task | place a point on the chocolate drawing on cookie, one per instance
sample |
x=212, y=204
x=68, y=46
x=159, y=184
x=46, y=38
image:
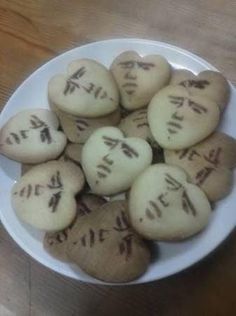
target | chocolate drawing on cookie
x=92, y=237
x=82, y=125
x=125, y=246
x=199, y=84
x=122, y=223
x=29, y=190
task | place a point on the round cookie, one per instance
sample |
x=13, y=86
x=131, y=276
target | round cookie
x=104, y=245
x=87, y=89
x=31, y=136
x=139, y=78
x=163, y=205
x=111, y=162
x=208, y=83
x=136, y=125
x=45, y=196
x=178, y=120
x=78, y=129
x=56, y=243
x=208, y=164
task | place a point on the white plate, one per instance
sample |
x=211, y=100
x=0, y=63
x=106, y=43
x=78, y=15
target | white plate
x=172, y=257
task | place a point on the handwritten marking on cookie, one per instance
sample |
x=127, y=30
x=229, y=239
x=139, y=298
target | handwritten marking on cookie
x=122, y=223
x=81, y=125
x=199, y=84
x=91, y=238
x=129, y=151
x=203, y=174
x=181, y=101
x=188, y=153
x=187, y=204
x=149, y=214
x=45, y=136
x=55, y=181
x=161, y=199
x=125, y=246
x=54, y=201
x=172, y=183
x=110, y=142
x=83, y=208
x=213, y=156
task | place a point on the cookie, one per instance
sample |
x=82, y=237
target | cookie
x=208, y=83
x=45, y=196
x=31, y=136
x=111, y=162
x=163, y=205
x=208, y=164
x=105, y=246
x=136, y=125
x=78, y=129
x=139, y=78
x=178, y=120
x=56, y=243
x=87, y=90
x=74, y=152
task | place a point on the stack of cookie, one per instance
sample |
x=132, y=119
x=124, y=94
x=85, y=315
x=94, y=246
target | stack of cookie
x=140, y=128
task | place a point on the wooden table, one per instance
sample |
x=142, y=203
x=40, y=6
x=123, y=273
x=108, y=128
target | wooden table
x=32, y=32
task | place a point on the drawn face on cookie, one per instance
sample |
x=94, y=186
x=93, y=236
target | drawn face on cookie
x=164, y=206
x=139, y=78
x=87, y=90
x=56, y=243
x=44, y=196
x=31, y=136
x=208, y=163
x=105, y=246
x=178, y=120
x=111, y=162
x=207, y=83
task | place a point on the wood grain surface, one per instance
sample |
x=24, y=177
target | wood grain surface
x=34, y=31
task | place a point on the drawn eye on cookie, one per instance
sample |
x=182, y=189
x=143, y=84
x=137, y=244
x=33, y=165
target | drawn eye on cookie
x=199, y=84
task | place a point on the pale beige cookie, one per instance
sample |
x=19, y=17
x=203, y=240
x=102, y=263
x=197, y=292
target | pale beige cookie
x=111, y=162
x=31, y=136
x=78, y=129
x=163, y=205
x=139, y=78
x=136, y=125
x=45, y=196
x=56, y=243
x=88, y=89
x=105, y=246
x=208, y=83
x=208, y=164
x=178, y=120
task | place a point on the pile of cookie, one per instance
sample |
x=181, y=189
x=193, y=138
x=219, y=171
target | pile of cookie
x=142, y=129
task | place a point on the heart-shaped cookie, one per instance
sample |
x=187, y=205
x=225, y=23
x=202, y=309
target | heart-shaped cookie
x=31, y=136
x=111, y=162
x=207, y=83
x=139, y=78
x=208, y=164
x=87, y=89
x=78, y=129
x=45, y=196
x=136, y=125
x=163, y=205
x=105, y=246
x=56, y=243
x=178, y=120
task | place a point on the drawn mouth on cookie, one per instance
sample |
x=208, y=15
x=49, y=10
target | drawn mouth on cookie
x=130, y=87
x=103, y=169
x=174, y=125
x=81, y=125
